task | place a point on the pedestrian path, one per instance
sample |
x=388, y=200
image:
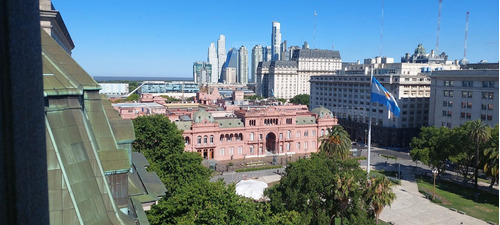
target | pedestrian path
x=411, y=207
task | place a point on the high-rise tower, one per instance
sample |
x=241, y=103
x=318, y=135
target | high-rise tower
x=257, y=56
x=242, y=65
x=276, y=41
x=212, y=59
x=221, y=53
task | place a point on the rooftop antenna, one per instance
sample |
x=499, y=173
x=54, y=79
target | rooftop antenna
x=466, y=30
x=438, y=28
x=314, y=40
x=381, y=28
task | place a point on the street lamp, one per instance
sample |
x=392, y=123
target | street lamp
x=435, y=172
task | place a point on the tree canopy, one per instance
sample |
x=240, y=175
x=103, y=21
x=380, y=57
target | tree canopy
x=163, y=146
x=302, y=99
x=461, y=145
x=336, y=142
x=323, y=188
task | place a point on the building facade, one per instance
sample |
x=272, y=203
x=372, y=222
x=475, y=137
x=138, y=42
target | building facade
x=276, y=41
x=257, y=56
x=256, y=132
x=114, y=89
x=278, y=79
x=285, y=79
x=458, y=96
x=202, y=72
x=164, y=87
x=347, y=95
x=213, y=60
x=221, y=54
x=242, y=77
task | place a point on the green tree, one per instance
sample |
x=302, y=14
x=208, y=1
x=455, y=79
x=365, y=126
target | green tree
x=478, y=132
x=205, y=202
x=336, y=142
x=462, y=152
x=321, y=189
x=133, y=98
x=302, y=99
x=491, y=157
x=163, y=146
x=282, y=100
x=432, y=147
x=379, y=194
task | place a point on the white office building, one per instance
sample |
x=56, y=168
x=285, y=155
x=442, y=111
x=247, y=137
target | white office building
x=242, y=65
x=276, y=41
x=221, y=54
x=212, y=59
x=285, y=79
x=347, y=94
x=458, y=96
x=114, y=89
x=257, y=56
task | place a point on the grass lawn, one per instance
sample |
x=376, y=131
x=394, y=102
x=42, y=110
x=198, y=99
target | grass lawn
x=452, y=195
x=259, y=168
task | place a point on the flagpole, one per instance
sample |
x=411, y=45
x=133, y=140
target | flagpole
x=369, y=126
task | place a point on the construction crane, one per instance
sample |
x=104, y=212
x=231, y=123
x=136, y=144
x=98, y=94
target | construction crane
x=438, y=27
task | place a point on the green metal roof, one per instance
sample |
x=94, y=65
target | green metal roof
x=80, y=144
x=184, y=125
x=305, y=120
x=322, y=112
x=230, y=123
x=60, y=64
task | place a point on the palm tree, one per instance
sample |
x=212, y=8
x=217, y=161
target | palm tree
x=478, y=132
x=380, y=194
x=491, y=157
x=336, y=142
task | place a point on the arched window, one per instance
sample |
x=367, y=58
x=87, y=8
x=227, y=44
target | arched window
x=298, y=145
x=241, y=136
x=305, y=145
x=205, y=139
x=211, y=139
x=314, y=133
x=231, y=137
x=186, y=141
x=306, y=133
x=221, y=138
x=251, y=136
x=222, y=151
x=251, y=149
x=298, y=133
x=237, y=136
x=322, y=132
x=288, y=134
x=227, y=137
x=288, y=146
x=199, y=139
x=313, y=145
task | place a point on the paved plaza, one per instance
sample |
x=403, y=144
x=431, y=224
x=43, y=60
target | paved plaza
x=410, y=206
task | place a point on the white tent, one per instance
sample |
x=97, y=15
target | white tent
x=251, y=189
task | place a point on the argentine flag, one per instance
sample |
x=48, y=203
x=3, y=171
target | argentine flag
x=384, y=97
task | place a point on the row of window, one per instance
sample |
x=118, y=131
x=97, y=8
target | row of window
x=205, y=139
x=468, y=94
x=468, y=83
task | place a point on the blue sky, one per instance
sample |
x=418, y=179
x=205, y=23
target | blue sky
x=164, y=38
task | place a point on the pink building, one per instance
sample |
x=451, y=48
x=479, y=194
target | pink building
x=256, y=132
x=133, y=110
